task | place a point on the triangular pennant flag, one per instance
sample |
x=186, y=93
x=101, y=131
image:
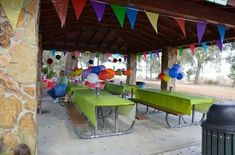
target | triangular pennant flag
x=76, y=53
x=201, y=27
x=157, y=53
x=153, y=18
x=120, y=12
x=219, y=44
x=61, y=7
x=150, y=55
x=204, y=47
x=180, y=51
x=139, y=56
x=78, y=6
x=181, y=23
x=221, y=29
x=99, y=9
x=65, y=52
x=125, y=57
x=12, y=9
x=145, y=55
x=131, y=14
x=192, y=46
x=53, y=51
x=106, y=55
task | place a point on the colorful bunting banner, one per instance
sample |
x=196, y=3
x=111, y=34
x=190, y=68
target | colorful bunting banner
x=53, y=51
x=99, y=9
x=153, y=18
x=221, y=29
x=192, y=46
x=157, y=53
x=125, y=57
x=201, y=27
x=181, y=24
x=78, y=6
x=120, y=12
x=204, y=47
x=131, y=14
x=65, y=52
x=180, y=51
x=12, y=9
x=219, y=45
x=106, y=55
x=150, y=55
x=144, y=55
x=61, y=7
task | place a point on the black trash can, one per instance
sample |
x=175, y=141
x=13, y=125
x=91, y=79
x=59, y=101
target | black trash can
x=218, y=130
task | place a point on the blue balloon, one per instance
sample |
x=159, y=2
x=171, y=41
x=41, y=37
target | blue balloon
x=86, y=72
x=102, y=67
x=180, y=76
x=173, y=73
x=176, y=67
x=96, y=69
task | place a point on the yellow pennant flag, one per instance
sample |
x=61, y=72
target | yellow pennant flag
x=12, y=9
x=153, y=18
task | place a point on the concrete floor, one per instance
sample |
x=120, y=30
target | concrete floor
x=148, y=137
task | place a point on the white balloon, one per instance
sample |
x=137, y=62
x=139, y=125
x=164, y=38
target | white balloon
x=92, y=78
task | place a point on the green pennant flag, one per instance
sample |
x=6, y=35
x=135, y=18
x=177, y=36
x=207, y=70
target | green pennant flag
x=12, y=9
x=180, y=51
x=120, y=12
x=139, y=56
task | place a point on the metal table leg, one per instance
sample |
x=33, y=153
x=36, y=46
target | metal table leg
x=116, y=119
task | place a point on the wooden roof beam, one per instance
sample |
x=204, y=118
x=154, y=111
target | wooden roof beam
x=190, y=10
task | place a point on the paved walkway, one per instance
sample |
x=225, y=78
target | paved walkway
x=149, y=137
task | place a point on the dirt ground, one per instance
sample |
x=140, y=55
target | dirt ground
x=218, y=92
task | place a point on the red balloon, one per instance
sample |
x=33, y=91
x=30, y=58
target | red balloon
x=50, y=61
x=115, y=60
x=110, y=73
x=161, y=76
x=103, y=74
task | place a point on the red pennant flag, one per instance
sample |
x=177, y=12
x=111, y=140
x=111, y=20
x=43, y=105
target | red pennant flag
x=145, y=55
x=181, y=24
x=78, y=6
x=61, y=7
x=192, y=46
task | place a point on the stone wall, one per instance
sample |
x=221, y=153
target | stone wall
x=18, y=79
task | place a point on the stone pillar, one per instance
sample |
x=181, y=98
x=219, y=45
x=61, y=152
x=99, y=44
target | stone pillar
x=18, y=79
x=132, y=64
x=169, y=57
x=69, y=62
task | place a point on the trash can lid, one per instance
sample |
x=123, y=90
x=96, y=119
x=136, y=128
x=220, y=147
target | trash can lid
x=221, y=117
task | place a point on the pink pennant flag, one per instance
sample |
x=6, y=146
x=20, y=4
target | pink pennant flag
x=98, y=8
x=201, y=27
x=76, y=53
x=78, y=6
x=192, y=46
x=107, y=55
x=145, y=55
x=181, y=24
x=219, y=45
x=61, y=7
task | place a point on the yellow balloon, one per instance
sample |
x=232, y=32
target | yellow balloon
x=80, y=70
x=166, y=78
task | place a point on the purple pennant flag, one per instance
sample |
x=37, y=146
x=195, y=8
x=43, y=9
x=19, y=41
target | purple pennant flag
x=221, y=29
x=131, y=14
x=204, y=47
x=201, y=27
x=157, y=53
x=99, y=9
x=125, y=57
x=219, y=44
x=65, y=52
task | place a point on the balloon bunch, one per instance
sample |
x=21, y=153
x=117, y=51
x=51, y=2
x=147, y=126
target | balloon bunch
x=75, y=71
x=123, y=72
x=173, y=72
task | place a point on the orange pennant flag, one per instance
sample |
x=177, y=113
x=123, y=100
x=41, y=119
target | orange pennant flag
x=181, y=24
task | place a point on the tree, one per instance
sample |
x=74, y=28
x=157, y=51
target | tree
x=231, y=59
x=200, y=59
x=189, y=73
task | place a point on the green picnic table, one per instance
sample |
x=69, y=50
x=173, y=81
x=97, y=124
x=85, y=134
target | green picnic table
x=88, y=102
x=74, y=87
x=120, y=89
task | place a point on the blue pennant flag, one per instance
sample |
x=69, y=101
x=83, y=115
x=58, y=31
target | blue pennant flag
x=221, y=29
x=131, y=14
x=204, y=47
x=150, y=55
x=53, y=52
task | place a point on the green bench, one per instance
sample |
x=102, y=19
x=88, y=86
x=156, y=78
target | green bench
x=177, y=104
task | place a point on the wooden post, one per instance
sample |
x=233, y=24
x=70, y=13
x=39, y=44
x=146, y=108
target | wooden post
x=131, y=63
x=69, y=61
x=169, y=57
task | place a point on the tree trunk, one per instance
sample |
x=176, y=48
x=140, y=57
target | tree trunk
x=131, y=64
x=196, y=80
